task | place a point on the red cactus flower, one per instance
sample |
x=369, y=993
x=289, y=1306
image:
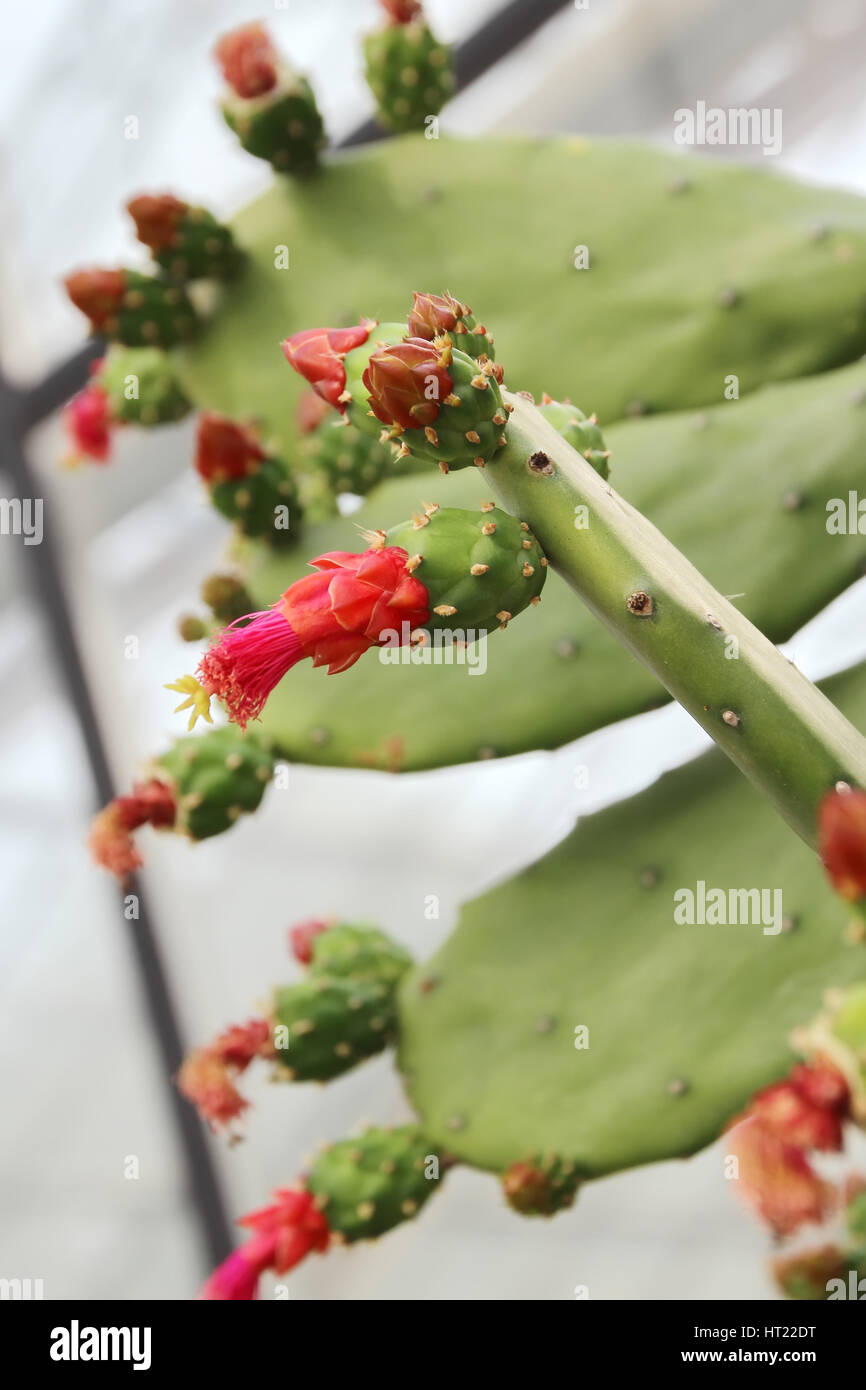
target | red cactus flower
x=433, y=314
x=776, y=1178
x=842, y=836
x=111, y=843
x=401, y=11
x=87, y=421
x=225, y=449
x=303, y=934
x=407, y=383
x=248, y=60
x=772, y=1138
x=311, y=411
x=284, y=1234
x=207, y=1075
x=333, y=617
x=97, y=293
x=157, y=218
x=318, y=354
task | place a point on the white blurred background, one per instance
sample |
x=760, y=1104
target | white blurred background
x=82, y=1085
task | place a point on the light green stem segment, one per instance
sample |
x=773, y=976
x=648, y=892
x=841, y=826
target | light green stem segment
x=775, y=725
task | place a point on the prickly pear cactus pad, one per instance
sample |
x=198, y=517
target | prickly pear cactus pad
x=529, y=1031
x=760, y=470
x=751, y=274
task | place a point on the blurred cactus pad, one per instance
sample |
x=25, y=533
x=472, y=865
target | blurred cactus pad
x=682, y=1022
x=694, y=274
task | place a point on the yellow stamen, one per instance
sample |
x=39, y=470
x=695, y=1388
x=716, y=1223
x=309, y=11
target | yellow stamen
x=198, y=700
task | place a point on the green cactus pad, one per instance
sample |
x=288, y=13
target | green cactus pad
x=683, y=1023
x=154, y=313
x=582, y=434
x=410, y=74
x=142, y=387
x=612, y=336
x=367, y=1185
x=257, y=501
x=217, y=777
x=741, y=489
x=203, y=249
x=359, y=952
x=283, y=126
x=480, y=568
x=351, y=461
x=332, y=1023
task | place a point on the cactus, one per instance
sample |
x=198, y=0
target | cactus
x=410, y=73
x=349, y=460
x=141, y=387
x=433, y=315
x=198, y=788
x=583, y=435
x=541, y=1185
x=187, y=242
x=270, y=108
x=246, y=484
x=742, y=473
x=331, y=1024
x=134, y=309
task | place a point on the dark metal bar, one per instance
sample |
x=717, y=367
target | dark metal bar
x=201, y=1175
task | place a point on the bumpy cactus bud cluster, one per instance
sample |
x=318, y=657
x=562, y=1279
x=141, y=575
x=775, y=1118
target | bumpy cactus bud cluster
x=271, y=108
x=348, y=460
x=357, y=1189
x=582, y=434
x=199, y=788
x=346, y=1010
x=409, y=71
x=541, y=1185
x=129, y=386
x=131, y=308
x=187, y=242
x=480, y=569
x=248, y=486
x=226, y=596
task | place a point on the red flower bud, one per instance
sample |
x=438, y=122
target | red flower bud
x=318, y=353
x=433, y=314
x=842, y=837
x=302, y=935
x=248, y=60
x=401, y=11
x=333, y=617
x=207, y=1075
x=157, y=219
x=111, y=843
x=225, y=449
x=284, y=1233
x=407, y=383
x=97, y=293
x=87, y=421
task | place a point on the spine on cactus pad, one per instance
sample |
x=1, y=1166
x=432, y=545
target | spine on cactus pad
x=199, y=788
x=448, y=571
x=355, y=1190
x=271, y=108
x=410, y=73
x=188, y=243
x=134, y=309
